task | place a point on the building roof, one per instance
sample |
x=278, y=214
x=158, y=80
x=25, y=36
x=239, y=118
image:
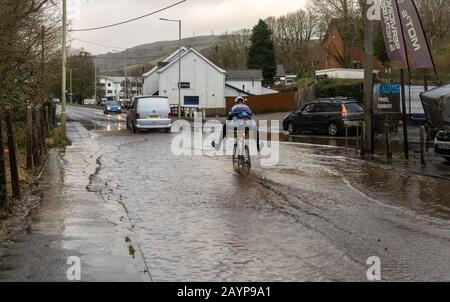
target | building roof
x=244, y=74
x=166, y=60
x=198, y=54
x=170, y=60
x=280, y=71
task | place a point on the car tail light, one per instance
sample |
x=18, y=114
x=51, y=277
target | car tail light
x=344, y=111
x=170, y=115
x=138, y=116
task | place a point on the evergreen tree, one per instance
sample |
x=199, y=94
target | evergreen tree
x=261, y=54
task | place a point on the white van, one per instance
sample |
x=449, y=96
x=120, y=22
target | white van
x=149, y=112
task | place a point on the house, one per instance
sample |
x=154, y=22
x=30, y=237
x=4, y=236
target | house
x=114, y=87
x=280, y=76
x=245, y=82
x=334, y=46
x=203, y=84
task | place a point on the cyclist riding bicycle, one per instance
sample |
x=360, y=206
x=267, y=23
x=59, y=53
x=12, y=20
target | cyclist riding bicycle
x=241, y=112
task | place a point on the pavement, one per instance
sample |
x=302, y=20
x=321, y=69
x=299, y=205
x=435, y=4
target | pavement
x=317, y=215
x=73, y=220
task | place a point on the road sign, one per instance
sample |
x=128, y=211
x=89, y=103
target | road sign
x=386, y=98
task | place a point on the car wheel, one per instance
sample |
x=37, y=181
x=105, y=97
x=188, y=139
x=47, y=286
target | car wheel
x=292, y=129
x=168, y=130
x=333, y=129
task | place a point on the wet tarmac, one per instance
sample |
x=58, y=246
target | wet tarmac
x=316, y=216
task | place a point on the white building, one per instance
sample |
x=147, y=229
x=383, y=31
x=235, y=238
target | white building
x=203, y=84
x=114, y=87
x=245, y=82
x=341, y=73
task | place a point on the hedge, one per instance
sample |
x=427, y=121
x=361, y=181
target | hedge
x=339, y=88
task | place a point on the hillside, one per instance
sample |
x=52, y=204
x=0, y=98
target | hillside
x=147, y=55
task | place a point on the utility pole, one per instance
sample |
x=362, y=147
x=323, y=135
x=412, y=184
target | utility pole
x=179, y=62
x=70, y=88
x=179, y=69
x=63, y=75
x=125, y=75
x=95, y=82
x=368, y=80
x=42, y=56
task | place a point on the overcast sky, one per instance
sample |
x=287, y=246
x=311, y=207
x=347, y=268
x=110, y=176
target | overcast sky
x=201, y=17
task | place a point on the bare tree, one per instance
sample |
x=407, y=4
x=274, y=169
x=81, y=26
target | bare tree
x=29, y=39
x=348, y=16
x=435, y=18
x=232, y=51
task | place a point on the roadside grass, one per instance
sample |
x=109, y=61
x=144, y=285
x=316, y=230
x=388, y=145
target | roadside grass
x=55, y=140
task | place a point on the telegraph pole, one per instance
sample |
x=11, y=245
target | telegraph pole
x=63, y=75
x=179, y=69
x=95, y=82
x=368, y=80
x=179, y=62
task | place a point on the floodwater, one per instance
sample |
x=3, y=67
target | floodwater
x=316, y=216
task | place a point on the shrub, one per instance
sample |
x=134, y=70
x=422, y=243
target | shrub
x=339, y=87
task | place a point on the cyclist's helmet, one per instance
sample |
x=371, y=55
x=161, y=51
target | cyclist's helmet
x=239, y=100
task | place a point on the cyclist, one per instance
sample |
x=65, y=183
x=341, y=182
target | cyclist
x=241, y=112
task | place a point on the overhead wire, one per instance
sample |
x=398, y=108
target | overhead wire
x=128, y=21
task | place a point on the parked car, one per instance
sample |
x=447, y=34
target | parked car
x=436, y=104
x=149, y=112
x=324, y=116
x=125, y=104
x=442, y=144
x=112, y=106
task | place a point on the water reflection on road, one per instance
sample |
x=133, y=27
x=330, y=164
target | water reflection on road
x=316, y=216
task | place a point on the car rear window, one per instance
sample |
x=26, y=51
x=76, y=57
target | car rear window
x=153, y=104
x=354, y=107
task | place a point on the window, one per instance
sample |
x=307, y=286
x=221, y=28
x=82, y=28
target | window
x=321, y=107
x=109, y=91
x=109, y=84
x=192, y=100
x=309, y=108
x=354, y=107
x=327, y=107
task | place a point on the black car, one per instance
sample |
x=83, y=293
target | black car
x=324, y=116
x=436, y=104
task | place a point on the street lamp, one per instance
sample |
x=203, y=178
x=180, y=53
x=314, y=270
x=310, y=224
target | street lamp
x=179, y=62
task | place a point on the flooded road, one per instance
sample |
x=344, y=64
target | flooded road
x=316, y=216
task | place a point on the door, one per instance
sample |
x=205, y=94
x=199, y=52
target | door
x=323, y=115
x=303, y=117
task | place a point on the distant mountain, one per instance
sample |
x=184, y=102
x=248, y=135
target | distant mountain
x=144, y=57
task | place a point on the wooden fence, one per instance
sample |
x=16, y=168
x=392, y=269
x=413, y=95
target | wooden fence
x=268, y=103
x=39, y=120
